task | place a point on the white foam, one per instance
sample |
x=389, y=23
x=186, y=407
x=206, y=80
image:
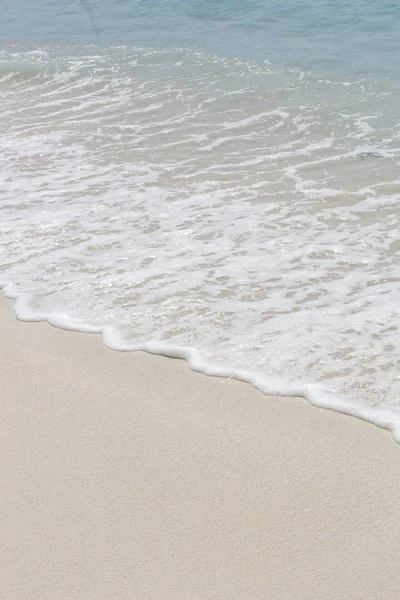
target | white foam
x=222, y=232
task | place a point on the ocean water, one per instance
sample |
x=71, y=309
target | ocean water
x=217, y=181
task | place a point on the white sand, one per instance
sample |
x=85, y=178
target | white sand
x=127, y=476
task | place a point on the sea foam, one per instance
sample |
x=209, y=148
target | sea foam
x=238, y=216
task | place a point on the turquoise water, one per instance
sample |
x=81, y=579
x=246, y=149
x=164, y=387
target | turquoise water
x=346, y=37
x=217, y=181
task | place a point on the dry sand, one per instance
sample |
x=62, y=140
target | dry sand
x=127, y=476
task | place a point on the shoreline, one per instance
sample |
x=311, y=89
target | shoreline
x=380, y=417
x=127, y=475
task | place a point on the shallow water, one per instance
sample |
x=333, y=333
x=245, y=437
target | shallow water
x=227, y=196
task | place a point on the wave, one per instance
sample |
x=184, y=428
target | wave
x=176, y=201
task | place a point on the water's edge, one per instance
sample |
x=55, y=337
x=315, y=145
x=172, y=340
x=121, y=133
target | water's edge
x=112, y=339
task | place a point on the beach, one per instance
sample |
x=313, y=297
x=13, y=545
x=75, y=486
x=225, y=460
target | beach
x=126, y=475
x=199, y=228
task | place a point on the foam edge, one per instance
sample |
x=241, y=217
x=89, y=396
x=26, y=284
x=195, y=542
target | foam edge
x=113, y=339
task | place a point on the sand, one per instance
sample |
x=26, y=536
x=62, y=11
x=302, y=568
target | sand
x=127, y=476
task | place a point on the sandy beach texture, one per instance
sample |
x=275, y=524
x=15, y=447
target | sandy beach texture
x=129, y=477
